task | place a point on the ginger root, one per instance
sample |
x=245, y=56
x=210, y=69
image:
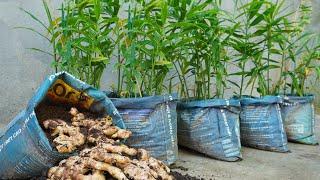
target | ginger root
x=103, y=153
x=121, y=149
x=159, y=167
x=68, y=169
x=96, y=136
x=112, y=170
x=96, y=175
x=69, y=137
x=138, y=173
x=118, y=166
x=100, y=124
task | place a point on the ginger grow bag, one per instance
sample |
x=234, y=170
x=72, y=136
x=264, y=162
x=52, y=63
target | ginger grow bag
x=25, y=151
x=153, y=122
x=210, y=127
x=261, y=124
x=299, y=119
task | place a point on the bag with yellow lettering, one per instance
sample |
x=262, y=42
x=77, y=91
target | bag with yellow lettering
x=25, y=150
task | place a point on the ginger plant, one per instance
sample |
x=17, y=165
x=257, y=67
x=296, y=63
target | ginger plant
x=82, y=37
x=301, y=55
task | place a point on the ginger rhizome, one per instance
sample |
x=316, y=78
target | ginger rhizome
x=68, y=137
x=106, y=155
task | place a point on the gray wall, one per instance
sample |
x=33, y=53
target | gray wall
x=22, y=70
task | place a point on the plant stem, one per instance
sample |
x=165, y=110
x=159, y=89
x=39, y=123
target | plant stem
x=119, y=70
x=242, y=77
x=254, y=81
x=269, y=49
x=281, y=72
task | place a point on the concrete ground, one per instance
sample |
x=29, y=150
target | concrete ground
x=303, y=163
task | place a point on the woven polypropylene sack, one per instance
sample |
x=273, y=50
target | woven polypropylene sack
x=210, y=127
x=261, y=124
x=153, y=122
x=25, y=151
x=299, y=119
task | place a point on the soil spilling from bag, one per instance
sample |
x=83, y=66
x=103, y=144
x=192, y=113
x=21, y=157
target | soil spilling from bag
x=179, y=176
x=98, y=145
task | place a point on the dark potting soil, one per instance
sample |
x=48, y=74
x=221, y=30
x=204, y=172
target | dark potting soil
x=46, y=111
x=174, y=166
x=179, y=176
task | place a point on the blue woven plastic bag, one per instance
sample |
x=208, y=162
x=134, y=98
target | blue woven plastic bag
x=299, y=119
x=153, y=122
x=261, y=124
x=25, y=150
x=210, y=127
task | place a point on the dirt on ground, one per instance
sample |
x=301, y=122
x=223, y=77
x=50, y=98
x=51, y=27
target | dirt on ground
x=179, y=176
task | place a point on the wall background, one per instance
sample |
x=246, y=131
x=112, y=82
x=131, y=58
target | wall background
x=22, y=70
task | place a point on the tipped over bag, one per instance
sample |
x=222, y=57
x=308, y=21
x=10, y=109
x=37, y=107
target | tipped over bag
x=25, y=151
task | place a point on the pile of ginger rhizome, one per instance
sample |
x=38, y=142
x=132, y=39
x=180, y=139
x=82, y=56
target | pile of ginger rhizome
x=101, y=155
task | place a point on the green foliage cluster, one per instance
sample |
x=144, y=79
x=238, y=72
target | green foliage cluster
x=189, y=45
x=273, y=40
x=81, y=37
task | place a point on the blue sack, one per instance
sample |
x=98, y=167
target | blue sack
x=299, y=119
x=210, y=127
x=25, y=151
x=261, y=124
x=153, y=122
